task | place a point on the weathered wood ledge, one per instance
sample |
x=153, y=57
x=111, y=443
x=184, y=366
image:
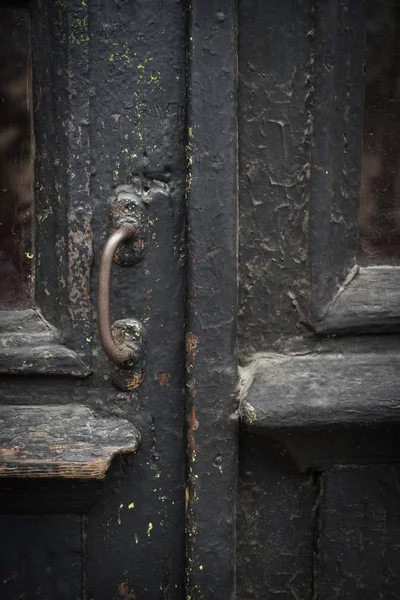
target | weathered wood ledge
x=29, y=345
x=280, y=391
x=368, y=303
x=68, y=442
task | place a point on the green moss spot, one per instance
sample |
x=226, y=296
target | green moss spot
x=252, y=417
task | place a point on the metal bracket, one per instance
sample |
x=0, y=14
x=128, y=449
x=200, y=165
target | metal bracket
x=130, y=333
x=128, y=207
x=124, y=341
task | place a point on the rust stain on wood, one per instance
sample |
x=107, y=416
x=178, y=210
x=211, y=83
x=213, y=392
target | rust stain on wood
x=187, y=499
x=125, y=592
x=135, y=381
x=162, y=378
x=193, y=425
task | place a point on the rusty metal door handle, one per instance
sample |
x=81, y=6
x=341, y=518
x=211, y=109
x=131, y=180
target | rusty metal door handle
x=120, y=354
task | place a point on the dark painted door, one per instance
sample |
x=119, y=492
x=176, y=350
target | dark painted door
x=92, y=455
x=318, y=495
x=246, y=146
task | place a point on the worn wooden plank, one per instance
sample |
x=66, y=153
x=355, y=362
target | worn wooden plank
x=63, y=204
x=138, y=78
x=369, y=303
x=337, y=57
x=275, y=96
x=60, y=441
x=360, y=388
x=50, y=389
x=359, y=534
x=40, y=359
x=212, y=300
x=19, y=321
x=29, y=345
x=41, y=558
x=275, y=528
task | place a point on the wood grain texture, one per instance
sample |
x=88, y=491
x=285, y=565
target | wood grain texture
x=281, y=391
x=60, y=441
x=368, y=304
x=30, y=345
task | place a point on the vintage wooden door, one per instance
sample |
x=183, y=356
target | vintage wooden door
x=318, y=496
x=96, y=91
x=247, y=447
x=110, y=118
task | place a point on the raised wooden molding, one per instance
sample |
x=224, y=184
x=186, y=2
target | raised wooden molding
x=29, y=345
x=369, y=302
x=355, y=387
x=327, y=407
x=68, y=442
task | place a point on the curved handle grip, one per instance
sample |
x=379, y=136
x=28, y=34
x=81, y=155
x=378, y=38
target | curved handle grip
x=122, y=354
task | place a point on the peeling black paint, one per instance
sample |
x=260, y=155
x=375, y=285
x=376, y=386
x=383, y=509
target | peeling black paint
x=211, y=360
